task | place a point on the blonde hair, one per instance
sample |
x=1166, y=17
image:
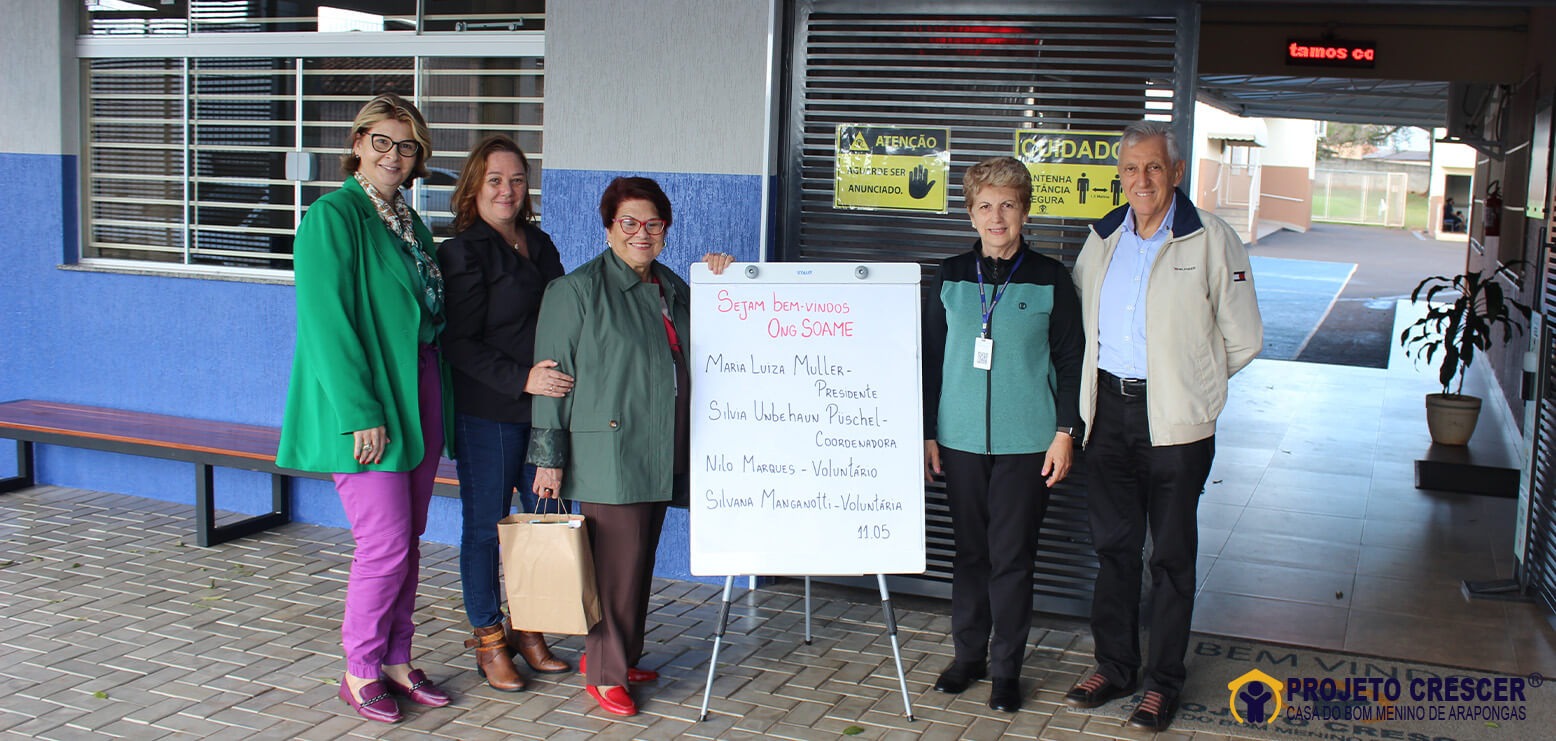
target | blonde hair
x=998, y=172
x=383, y=108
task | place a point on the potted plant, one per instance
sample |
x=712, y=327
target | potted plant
x=1453, y=334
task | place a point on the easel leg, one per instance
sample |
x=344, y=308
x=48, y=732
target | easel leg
x=718, y=640
x=807, y=611
x=896, y=651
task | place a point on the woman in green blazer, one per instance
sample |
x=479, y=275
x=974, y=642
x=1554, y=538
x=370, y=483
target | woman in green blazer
x=618, y=443
x=368, y=400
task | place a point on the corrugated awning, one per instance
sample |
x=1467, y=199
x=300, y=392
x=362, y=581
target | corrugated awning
x=1228, y=136
x=1401, y=102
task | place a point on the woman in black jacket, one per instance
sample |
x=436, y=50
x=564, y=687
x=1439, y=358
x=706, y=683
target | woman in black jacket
x=496, y=270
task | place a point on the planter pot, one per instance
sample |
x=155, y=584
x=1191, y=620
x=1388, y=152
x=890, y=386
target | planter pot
x=1451, y=418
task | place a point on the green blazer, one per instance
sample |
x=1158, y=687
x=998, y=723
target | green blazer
x=358, y=310
x=614, y=435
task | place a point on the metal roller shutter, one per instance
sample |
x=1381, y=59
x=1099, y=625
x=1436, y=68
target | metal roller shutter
x=1538, y=571
x=982, y=70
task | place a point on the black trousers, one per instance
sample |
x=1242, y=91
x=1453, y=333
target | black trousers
x=622, y=539
x=997, y=506
x=1132, y=485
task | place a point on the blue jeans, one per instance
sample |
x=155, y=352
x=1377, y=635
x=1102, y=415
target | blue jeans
x=491, y=465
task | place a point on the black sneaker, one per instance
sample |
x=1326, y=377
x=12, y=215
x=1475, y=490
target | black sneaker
x=1096, y=690
x=1155, y=712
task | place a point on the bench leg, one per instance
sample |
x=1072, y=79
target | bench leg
x=208, y=533
x=24, y=477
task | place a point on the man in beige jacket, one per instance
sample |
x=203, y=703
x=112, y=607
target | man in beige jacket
x=1168, y=304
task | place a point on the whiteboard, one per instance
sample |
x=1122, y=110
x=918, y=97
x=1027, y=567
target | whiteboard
x=807, y=439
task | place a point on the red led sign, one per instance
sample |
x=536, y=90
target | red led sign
x=1331, y=53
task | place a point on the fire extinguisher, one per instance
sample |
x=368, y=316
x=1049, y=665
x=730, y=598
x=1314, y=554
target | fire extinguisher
x=1494, y=208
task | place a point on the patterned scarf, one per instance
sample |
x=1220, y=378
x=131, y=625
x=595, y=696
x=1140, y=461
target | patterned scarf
x=397, y=216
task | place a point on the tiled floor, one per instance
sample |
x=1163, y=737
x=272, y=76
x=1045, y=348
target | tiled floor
x=1312, y=531
x=112, y=626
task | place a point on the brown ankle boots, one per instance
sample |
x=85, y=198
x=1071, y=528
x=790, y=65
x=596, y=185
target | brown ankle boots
x=532, y=646
x=495, y=646
x=493, y=661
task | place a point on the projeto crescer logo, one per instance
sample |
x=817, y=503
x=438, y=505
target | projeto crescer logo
x=1255, y=689
x=1256, y=698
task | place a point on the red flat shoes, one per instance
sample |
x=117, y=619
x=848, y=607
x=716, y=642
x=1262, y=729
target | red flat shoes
x=615, y=700
x=634, y=674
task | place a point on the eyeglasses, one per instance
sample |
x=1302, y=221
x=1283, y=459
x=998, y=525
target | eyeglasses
x=381, y=143
x=630, y=225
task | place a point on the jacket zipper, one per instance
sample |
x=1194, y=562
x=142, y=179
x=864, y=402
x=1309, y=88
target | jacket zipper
x=988, y=401
x=988, y=410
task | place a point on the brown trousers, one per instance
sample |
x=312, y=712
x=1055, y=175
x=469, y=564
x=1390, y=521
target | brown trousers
x=622, y=539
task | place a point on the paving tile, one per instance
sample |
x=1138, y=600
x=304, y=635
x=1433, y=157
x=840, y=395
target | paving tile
x=68, y=733
x=37, y=726
x=130, y=730
x=260, y=657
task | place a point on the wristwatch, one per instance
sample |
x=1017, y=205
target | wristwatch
x=1066, y=430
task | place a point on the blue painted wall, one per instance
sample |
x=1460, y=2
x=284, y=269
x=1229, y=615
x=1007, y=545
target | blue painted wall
x=210, y=349
x=222, y=350
x=712, y=213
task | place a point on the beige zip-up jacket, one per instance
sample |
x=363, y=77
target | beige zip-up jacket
x=1202, y=320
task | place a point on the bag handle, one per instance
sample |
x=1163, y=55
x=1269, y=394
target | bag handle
x=540, y=506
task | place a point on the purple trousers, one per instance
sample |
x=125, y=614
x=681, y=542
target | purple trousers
x=388, y=513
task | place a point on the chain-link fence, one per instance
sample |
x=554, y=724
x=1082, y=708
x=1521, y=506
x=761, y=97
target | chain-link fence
x=1355, y=197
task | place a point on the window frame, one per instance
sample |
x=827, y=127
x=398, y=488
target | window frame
x=295, y=46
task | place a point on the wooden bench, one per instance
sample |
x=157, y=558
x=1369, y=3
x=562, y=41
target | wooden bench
x=204, y=443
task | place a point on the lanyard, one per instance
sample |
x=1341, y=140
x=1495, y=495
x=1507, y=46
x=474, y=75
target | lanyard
x=986, y=306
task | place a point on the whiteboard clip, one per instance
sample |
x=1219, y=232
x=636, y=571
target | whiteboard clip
x=752, y=271
x=861, y=272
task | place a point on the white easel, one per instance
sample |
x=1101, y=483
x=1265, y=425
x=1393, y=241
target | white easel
x=886, y=612
x=806, y=429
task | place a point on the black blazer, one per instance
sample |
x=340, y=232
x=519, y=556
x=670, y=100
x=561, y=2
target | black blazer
x=492, y=299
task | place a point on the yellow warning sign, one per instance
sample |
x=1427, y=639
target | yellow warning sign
x=891, y=167
x=1074, y=173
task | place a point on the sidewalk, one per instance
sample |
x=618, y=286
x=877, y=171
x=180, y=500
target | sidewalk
x=113, y=625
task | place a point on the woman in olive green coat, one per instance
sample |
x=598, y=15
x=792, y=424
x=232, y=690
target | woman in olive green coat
x=618, y=443
x=368, y=400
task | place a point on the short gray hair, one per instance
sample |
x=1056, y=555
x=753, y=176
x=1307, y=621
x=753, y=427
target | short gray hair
x=1142, y=130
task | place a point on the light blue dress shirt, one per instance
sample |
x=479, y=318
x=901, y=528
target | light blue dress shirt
x=1121, y=315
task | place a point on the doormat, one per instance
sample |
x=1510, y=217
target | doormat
x=1250, y=689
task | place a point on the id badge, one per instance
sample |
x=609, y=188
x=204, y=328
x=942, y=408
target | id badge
x=983, y=353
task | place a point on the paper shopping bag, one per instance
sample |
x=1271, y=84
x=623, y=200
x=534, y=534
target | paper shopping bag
x=548, y=573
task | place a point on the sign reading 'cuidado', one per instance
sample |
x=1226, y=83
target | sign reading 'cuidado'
x=1074, y=173
x=807, y=454
x=891, y=167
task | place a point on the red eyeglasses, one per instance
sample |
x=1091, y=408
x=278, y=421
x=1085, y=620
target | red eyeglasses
x=630, y=225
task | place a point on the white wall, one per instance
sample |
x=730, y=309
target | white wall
x=1209, y=120
x=666, y=86
x=1292, y=143
x=39, y=82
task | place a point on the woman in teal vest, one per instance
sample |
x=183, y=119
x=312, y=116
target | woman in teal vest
x=368, y=400
x=1002, y=363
